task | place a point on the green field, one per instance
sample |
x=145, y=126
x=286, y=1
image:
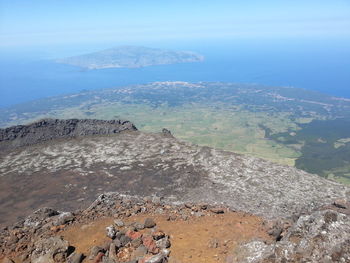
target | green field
x=233, y=130
x=290, y=126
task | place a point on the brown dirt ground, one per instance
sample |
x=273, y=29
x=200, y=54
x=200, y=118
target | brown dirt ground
x=189, y=239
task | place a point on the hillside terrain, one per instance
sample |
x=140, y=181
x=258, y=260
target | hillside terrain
x=130, y=57
x=301, y=128
x=68, y=173
x=160, y=199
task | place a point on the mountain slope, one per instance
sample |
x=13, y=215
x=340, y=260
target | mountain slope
x=286, y=125
x=68, y=173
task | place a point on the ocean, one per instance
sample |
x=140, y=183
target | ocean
x=322, y=66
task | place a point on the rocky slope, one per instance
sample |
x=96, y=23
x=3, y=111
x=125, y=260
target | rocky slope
x=120, y=228
x=220, y=206
x=322, y=236
x=49, y=129
x=69, y=173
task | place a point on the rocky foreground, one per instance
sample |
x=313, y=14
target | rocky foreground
x=44, y=236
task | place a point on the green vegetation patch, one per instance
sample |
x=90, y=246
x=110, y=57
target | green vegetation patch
x=286, y=125
x=232, y=130
x=325, y=150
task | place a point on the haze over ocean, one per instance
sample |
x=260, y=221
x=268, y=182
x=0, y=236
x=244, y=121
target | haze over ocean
x=298, y=43
x=322, y=66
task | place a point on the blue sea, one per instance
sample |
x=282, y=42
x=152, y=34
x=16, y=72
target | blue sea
x=27, y=74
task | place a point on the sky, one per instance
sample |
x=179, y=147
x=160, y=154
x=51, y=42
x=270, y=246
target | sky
x=46, y=22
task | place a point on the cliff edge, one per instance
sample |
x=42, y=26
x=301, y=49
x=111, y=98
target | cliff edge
x=49, y=129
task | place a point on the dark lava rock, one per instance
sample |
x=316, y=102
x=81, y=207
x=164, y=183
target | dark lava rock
x=125, y=240
x=166, y=132
x=149, y=223
x=49, y=129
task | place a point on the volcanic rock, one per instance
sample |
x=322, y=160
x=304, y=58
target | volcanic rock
x=63, y=218
x=323, y=236
x=75, y=258
x=58, y=168
x=48, y=129
x=119, y=223
x=150, y=244
x=50, y=250
x=111, y=232
x=149, y=223
x=94, y=252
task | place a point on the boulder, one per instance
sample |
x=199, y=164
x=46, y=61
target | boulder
x=63, y=218
x=112, y=254
x=111, y=232
x=125, y=240
x=50, y=250
x=39, y=216
x=139, y=226
x=133, y=235
x=136, y=242
x=139, y=252
x=94, y=252
x=149, y=223
x=150, y=244
x=119, y=223
x=75, y=258
x=163, y=243
x=158, y=235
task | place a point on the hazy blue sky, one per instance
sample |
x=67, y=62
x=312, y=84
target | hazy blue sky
x=40, y=22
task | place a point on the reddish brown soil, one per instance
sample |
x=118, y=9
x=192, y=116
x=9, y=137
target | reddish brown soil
x=189, y=239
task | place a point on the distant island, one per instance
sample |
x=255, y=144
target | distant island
x=130, y=57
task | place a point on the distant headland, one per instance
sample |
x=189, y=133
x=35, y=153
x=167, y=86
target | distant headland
x=130, y=57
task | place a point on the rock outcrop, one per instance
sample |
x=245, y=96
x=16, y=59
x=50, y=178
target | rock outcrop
x=322, y=236
x=49, y=129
